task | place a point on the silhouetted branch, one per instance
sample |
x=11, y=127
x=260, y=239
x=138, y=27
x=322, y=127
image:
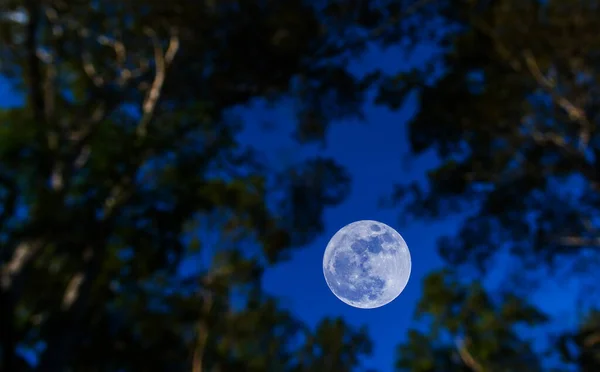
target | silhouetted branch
x=11, y=281
x=202, y=337
x=466, y=356
x=592, y=340
x=576, y=156
x=77, y=293
x=574, y=112
x=66, y=325
x=162, y=61
x=10, y=202
x=579, y=241
x=118, y=46
x=33, y=63
x=11, y=273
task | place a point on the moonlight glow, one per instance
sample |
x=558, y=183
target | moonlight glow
x=366, y=264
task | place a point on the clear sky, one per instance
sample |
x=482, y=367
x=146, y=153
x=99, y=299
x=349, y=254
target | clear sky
x=373, y=151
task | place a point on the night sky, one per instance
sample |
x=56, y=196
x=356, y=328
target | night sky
x=374, y=153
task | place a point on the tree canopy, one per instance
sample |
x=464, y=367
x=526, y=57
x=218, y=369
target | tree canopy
x=125, y=148
x=513, y=118
x=123, y=162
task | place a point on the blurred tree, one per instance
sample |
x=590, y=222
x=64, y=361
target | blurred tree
x=469, y=330
x=513, y=115
x=582, y=346
x=125, y=148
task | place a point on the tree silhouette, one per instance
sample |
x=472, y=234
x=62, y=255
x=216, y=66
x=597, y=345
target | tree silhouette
x=470, y=330
x=513, y=117
x=124, y=149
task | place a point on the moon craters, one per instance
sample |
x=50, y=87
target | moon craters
x=366, y=264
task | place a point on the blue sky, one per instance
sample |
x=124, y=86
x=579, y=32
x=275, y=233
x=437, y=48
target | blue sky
x=373, y=151
x=373, y=154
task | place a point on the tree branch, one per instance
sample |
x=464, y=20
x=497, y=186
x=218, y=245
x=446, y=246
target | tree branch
x=576, y=155
x=64, y=328
x=12, y=271
x=579, y=241
x=11, y=281
x=466, y=356
x=574, y=112
x=10, y=203
x=162, y=62
x=592, y=340
x=77, y=293
x=203, y=331
x=118, y=46
x=33, y=63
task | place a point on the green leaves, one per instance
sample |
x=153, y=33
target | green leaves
x=503, y=120
x=333, y=347
x=134, y=174
x=469, y=329
x=513, y=120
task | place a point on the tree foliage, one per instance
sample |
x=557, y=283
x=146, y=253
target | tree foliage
x=469, y=330
x=125, y=148
x=515, y=129
x=123, y=163
x=513, y=118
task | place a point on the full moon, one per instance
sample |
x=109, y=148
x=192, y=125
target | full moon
x=366, y=264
